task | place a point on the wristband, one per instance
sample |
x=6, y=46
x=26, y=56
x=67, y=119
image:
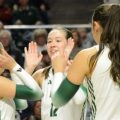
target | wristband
x=64, y=93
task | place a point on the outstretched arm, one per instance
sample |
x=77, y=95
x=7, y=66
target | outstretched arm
x=63, y=90
x=77, y=72
x=67, y=91
x=20, y=103
x=30, y=90
x=67, y=88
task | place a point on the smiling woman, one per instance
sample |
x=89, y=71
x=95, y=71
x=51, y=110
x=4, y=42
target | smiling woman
x=59, y=40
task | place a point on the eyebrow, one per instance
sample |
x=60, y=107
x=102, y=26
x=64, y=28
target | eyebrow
x=55, y=37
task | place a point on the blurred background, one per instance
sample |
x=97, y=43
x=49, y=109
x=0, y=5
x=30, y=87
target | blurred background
x=22, y=21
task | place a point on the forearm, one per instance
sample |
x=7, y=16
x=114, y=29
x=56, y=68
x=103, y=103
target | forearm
x=30, y=86
x=24, y=92
x=63, y=90
x=20, y=103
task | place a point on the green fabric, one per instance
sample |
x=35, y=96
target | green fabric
x=83, y=88
x=24, y=92
x=20, y=105
x=65, y=92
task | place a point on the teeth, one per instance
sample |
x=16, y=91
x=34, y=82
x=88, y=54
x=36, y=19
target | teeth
x=54, y=51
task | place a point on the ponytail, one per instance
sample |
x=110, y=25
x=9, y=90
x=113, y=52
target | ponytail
x=111, y=38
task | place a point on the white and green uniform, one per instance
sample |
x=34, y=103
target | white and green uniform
x=26, y=88
x=71, y=111
x=7, y=109
x=103, y=93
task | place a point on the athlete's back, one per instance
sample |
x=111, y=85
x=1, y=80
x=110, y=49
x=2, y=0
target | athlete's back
x=103, y=92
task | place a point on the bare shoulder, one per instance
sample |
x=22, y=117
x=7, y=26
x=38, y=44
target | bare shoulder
x=80, y=67
x=87, y=53
x=39, y=75
x=91, y=50
x=83, y=58
x=38, y=72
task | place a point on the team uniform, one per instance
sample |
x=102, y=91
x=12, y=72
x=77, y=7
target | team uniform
x=7, y=109
x=26, y=88
x=103, y=92
x=70, y=111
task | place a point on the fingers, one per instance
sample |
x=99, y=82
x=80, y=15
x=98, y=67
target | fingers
x=1, y=47
x=56, y=54
x=40, y=57
x=25, y=51
x=4, y=53
x=35, y=47
x=69, y=62
x=71, y=42
x=32, y=56
x=32, y=47
x=2, y=60
x=1, y=57
x=69, y=47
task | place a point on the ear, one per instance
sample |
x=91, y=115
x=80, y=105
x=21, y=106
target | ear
x=96, y=26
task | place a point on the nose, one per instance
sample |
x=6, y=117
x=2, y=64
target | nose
x=53, y=44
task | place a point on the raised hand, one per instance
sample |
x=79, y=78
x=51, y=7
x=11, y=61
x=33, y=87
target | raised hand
x=6, y=61
x=69, y=47
x=69, y=62
x=60, y=58
x=32, y=57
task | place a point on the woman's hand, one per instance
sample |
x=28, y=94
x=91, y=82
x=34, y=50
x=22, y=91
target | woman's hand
x=60, y=58
x=32, y=57
x=6, y=61
x=69, y=48
x=69, y=62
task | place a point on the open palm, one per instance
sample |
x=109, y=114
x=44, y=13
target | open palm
x=32, y=57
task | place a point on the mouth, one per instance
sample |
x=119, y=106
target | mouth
x=54, y=51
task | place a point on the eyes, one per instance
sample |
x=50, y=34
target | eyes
x=57, y=40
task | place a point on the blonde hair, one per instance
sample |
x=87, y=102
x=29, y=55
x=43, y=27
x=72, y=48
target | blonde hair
x=6, y=32
x=39, y=32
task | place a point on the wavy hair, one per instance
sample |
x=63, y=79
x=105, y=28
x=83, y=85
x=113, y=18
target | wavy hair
x=108, y=15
